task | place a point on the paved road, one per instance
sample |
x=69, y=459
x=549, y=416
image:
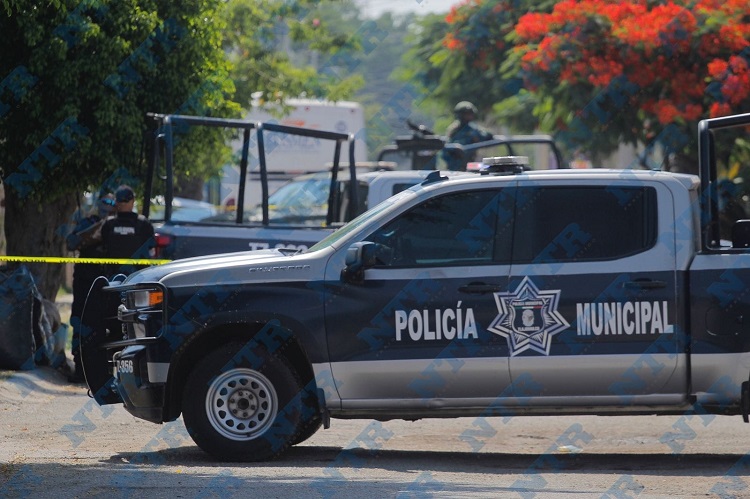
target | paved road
x=58, y=443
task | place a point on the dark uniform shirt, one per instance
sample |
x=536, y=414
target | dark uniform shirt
x=464, y=133
x=467, y=133
x=127, y=235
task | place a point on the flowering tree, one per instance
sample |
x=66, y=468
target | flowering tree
x=461, y=56
x=637, y=71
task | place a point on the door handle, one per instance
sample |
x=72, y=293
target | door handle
x=479, y=288
x=645, y=284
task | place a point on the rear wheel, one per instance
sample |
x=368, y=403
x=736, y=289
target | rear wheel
x=307, y=429
x=242, y=407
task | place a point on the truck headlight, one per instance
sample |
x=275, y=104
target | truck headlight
x=146, y=298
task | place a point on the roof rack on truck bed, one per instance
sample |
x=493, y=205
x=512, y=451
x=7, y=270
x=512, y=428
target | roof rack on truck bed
x=163, y=143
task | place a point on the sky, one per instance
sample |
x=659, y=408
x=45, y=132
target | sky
x=374, y=8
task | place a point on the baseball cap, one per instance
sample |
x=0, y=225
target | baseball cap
x=124, y=194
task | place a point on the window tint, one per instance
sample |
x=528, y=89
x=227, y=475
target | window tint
x=563, y=224
x=454, y=229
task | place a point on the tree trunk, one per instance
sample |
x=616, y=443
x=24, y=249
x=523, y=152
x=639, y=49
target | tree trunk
x=35, y=228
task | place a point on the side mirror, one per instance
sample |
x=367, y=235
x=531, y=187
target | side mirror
x=359, y=257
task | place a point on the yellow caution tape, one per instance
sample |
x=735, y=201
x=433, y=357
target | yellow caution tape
x=101, y=261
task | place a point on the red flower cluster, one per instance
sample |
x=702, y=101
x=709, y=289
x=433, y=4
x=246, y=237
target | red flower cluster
x=598, y=71
x=665, y=26
x=452, y=43
x=734, y=78
x=683, y=55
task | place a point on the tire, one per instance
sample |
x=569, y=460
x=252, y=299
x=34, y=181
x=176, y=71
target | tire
x=307, y=429
x=242, y=407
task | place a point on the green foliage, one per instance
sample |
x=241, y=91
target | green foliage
x=388, y=101
x=355, y=62
x=275, y=46
x=80, y=76
x=463, y=56
x=425, y=65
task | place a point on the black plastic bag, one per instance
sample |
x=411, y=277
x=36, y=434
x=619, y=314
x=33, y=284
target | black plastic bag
x=31, y=331
x=17, y=295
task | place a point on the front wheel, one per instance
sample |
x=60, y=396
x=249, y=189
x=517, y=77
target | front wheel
x=242, y=405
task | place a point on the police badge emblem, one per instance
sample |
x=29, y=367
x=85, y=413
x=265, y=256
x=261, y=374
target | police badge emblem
x=528, y=318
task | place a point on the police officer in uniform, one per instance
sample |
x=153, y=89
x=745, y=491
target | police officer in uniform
x=464, y=131
x=127, y=234
x=86, y=239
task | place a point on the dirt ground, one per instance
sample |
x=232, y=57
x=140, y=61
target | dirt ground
x=57, y=442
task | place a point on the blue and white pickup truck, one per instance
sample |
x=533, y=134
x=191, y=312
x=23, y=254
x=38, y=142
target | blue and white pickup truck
x=603, y=292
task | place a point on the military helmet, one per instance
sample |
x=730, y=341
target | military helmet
x=465, y=107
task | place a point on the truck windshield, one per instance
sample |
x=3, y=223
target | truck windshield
x=303, y=200
x=361, y=220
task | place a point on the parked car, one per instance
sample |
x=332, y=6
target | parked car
x=183, y=210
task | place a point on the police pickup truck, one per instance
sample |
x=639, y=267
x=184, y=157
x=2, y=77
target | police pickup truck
x=602, y=292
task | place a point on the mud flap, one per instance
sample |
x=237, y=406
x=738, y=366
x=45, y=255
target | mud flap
x=99, y=325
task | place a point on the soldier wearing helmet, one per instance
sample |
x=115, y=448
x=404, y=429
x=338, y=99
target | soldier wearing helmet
x=464, y=107
x=464, y=131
